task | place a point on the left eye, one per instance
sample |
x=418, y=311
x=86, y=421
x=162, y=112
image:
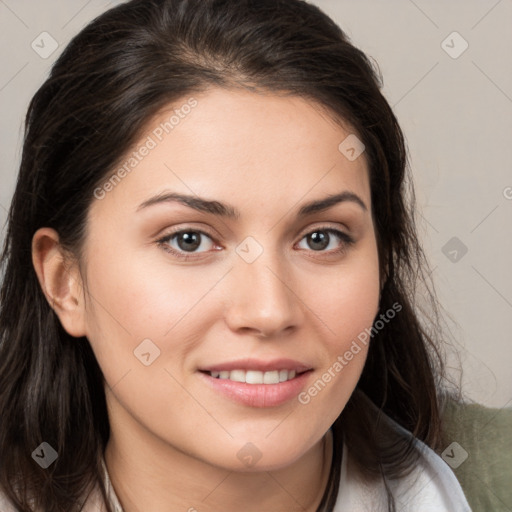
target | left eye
x=188, y=241
x=321, y=238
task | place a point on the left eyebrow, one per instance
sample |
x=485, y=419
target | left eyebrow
x=228, y=211
x=323, y=204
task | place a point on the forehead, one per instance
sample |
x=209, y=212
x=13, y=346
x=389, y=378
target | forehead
x=255, y=148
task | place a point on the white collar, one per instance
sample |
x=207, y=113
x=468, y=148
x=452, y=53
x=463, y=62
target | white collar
x=111, y=494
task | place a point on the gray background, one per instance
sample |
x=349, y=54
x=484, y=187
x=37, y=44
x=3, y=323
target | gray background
x=454, y=106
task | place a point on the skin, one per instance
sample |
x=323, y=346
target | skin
x=174, y=441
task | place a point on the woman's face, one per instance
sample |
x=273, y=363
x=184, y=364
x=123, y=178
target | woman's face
x=265, y=289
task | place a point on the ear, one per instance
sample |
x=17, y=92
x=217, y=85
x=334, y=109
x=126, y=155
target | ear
x=60, y=280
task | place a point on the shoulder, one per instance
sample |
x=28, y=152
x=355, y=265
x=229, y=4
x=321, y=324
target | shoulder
x=5, y=504
x=430, y=487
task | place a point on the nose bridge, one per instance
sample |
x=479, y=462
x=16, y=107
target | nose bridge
x=264, y=298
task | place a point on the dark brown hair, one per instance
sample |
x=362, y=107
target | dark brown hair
x=114, y=76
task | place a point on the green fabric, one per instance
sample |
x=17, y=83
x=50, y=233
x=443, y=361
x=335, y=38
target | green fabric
x=486, y=435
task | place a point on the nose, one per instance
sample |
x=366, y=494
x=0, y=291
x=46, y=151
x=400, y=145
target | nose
x=264, y=299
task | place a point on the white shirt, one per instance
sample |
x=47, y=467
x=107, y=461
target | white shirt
x=431, y=487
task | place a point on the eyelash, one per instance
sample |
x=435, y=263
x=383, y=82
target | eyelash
x=347, y=241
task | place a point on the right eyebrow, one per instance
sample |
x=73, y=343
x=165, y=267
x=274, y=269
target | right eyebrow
x=229, y=211
x=195, y=202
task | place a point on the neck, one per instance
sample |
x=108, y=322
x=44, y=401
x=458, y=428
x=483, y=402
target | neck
x=148, y=474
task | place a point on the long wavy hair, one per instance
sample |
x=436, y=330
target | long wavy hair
x=114, y=76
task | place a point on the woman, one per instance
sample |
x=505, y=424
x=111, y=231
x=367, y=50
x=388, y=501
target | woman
x=278, y=362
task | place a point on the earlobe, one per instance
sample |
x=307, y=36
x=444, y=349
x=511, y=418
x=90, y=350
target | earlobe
x=60, y=280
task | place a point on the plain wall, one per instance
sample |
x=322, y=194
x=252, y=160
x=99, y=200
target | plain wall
x=455, y=110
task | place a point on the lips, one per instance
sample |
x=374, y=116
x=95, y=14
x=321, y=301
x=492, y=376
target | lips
x=257, y=383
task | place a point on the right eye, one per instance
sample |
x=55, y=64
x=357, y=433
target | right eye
x=185, y=241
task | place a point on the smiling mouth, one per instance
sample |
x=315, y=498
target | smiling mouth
x=255, y=376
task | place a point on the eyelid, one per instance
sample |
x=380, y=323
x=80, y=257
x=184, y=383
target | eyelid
x=324, y=226
x=346, y=241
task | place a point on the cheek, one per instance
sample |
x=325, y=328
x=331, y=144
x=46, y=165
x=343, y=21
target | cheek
x=356, y=304
x=347, y=310
x=349, y=301
x=347, y=306
x=132, y=300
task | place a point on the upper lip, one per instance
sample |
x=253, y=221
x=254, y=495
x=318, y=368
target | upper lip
x=259, y=365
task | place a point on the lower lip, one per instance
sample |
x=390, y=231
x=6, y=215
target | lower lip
x=258, y=395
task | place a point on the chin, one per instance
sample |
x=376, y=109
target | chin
x=263, y=454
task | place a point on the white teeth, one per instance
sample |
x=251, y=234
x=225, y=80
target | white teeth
x=271, y=377
x=237, y=375
x=255, y=377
